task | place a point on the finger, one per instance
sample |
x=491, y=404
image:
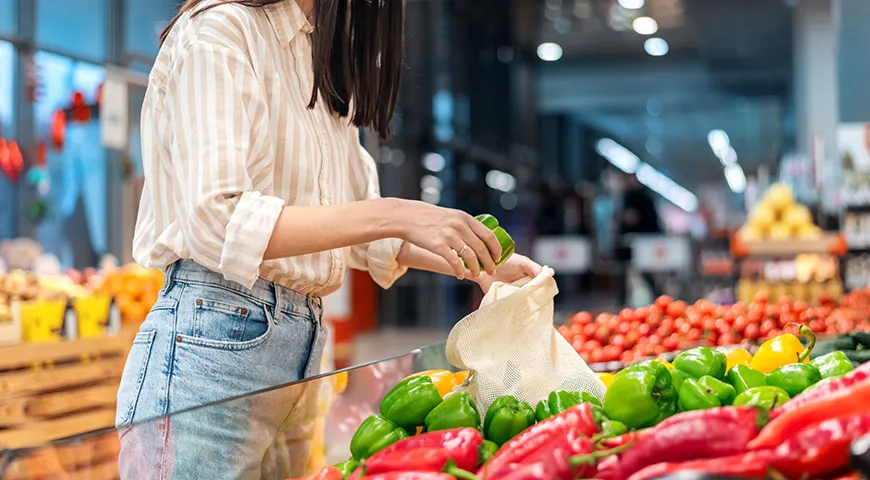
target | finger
x=453, y=260
x=487, y=236
x=531, y=268
x=481, y=252
x=470, y=258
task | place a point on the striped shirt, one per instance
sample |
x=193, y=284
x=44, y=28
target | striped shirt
x=228, y=141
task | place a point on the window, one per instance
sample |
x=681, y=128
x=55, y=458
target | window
x=7, y=64
x=76, y=27
x=144, y=20
x=60, y=77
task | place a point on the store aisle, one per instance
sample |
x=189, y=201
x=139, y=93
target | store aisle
x=385, y=343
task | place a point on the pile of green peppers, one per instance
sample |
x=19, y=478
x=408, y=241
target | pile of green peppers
x=646, y=393
x=414, y=406
x=853, y=346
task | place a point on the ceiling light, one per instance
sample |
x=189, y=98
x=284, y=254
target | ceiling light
x=645, y=25
x=669, y=190
x=729, y=157
x=619, y=156
x=501, y=181
x=735, y=178
x=657, y=47
x=631, y=4
x=549, y=51
x=719, y=142
x=508, y=201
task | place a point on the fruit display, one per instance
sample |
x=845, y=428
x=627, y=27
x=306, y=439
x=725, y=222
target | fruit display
x=777, y=216
x=134, y=288
x=22, y=286
x=669, y=325
x=732, y=416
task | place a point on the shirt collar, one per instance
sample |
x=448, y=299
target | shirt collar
x=287, y=20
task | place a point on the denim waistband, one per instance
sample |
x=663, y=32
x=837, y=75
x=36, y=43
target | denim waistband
x=269, y=293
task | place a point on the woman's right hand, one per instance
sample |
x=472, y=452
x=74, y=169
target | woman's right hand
x=445, y=232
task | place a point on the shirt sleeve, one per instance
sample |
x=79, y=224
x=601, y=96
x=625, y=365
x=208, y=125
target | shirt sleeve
x=379, y=258
x=217, y=115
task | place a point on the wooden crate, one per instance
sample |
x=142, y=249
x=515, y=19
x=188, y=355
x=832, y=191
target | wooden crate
x=50, y=391
x=94, y=458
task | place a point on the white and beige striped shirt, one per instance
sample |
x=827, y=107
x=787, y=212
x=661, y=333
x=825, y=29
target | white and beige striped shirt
x=228, y=140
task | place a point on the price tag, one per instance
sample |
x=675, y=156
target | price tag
x=660, y=253
x=42, y=321
x=94, y=314
x=564, y=254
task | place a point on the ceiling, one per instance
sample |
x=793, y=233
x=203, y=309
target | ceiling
x=729, y=68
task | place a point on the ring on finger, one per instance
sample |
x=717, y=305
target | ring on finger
x=460, y=252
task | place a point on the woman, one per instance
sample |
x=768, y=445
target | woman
x=258, y=195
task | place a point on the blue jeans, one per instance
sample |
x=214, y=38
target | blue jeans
x=208, y=339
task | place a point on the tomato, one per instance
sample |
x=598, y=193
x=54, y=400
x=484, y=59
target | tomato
x=597, y=356
x=752, y=331
x=591, y=345
x=644, y=330
x=590, y=329
x=643, y=312
x=659, y=349
x=685, y=328
x=799, y=306
x=582, y=318
x=672, y=342
x=726, y=339
x=741, y=322
x=676, y=309
x=655, y=339
x=654, y=320
x=627, y=314
x=618, y=340
x=766, y=327
x=663, y=301
x=603, y=334
x=664, y=331
x=755, y=314
x=761, y=298
x=612, y=353
x=602, y=317
x=694, y=335
x=624, y=327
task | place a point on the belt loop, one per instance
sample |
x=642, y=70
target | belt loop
x=315, y=306
x=278, y=298
x=168, y=280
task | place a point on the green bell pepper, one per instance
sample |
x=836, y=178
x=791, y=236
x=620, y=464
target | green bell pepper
x=505, y=418
x=701, y=361
x=504, y=239
x=556, y=403
x=723, y=391
x=486, y=451
x=373, y=435
x=833, y=364
x=588, y=398
x=641, y=395
x=743, y=378
x=612, y=428
x=456, y=411
x=841, y=343
x=694, y=396
x=794, y=378
x=408, y=403
x=347, y=467
x=766, y=397
x=678, y=377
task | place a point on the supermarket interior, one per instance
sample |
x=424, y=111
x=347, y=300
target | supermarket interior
x=693, y=176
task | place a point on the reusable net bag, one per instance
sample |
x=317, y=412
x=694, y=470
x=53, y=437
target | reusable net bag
x=512, y=348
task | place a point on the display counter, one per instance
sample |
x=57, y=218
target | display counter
x=326, y=411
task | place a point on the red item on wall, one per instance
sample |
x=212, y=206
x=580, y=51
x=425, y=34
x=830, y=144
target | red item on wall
x=58, y=129
x=11, y=161
x=81, y=112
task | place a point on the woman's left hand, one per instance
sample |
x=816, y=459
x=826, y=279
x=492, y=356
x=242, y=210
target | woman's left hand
x=515, y=268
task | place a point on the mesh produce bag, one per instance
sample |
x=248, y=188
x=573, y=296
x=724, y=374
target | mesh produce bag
x=512, y=348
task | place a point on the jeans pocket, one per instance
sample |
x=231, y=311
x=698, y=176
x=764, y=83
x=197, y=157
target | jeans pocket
x=133, y=378
x=231, y=323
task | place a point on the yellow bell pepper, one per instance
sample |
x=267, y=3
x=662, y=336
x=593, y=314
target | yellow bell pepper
x=664, y=362
x=606, y=378
x=460, y=377
x=783, y=350
x=738, y=357
x=444, y=380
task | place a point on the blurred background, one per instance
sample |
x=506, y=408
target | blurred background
x=624, y=143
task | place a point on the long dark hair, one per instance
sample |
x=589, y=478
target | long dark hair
x=358, y=47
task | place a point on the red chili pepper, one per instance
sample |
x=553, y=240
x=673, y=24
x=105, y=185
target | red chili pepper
x=578, y=418
x=822, y=448
x=325, y=473
x=744, y=465
x=554, y=456
x=843, y=402
x=719, y=432
x=410, y=476
x=462, y=445
x=419, y=460
x=855, y=377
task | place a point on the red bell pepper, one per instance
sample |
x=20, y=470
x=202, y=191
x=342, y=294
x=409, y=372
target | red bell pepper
x=820, y=449
x=419, y=460
x=842, y=402
x=325, y=473
x=555, y=455
x=410, y=476
x=578, y=419
x=718, y=432
x=462, y=446
x=855, y=377
x=744, y=465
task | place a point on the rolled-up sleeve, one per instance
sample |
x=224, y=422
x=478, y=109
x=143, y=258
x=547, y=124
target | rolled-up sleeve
x=379, y=258
x=218, y=118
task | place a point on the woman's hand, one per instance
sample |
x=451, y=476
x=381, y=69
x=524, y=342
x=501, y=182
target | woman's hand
x=447, y=233
x=515, y=268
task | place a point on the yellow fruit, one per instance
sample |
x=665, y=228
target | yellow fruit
x=606, y=378
x=797, y=216
x=779, y=196
x=808, y=231
x=780, y=231
x=751, y=233
x=762, y=216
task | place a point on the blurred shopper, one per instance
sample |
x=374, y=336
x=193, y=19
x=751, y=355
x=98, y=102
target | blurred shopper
x=258, y=196
x=638, y=215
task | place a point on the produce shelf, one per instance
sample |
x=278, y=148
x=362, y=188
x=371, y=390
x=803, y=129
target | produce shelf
x=829, y=243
